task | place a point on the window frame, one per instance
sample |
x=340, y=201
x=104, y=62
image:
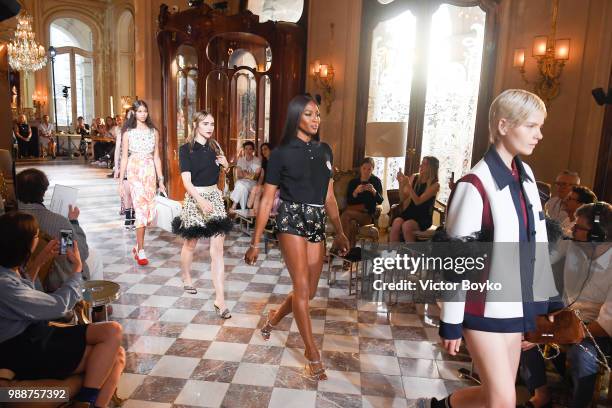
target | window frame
x=374, y=13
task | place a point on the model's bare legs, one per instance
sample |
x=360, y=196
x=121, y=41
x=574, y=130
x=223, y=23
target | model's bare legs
x=396, y=229
x=217, y=269
x=140, y=236
x=189, y=246
x=409, y=228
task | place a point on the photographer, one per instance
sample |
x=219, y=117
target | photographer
x=588, y=280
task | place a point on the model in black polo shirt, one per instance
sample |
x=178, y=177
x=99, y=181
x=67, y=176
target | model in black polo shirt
x=203, y=213
x=302, y=168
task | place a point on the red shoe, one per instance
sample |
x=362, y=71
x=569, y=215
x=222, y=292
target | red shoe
x=140, y=257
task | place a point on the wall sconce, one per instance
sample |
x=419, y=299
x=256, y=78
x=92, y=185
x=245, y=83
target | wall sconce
x=127, y=101
x=550, y=55
x=40, y=100
x=323, y=77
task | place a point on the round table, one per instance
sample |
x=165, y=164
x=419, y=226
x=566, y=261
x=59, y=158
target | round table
x=100, y=293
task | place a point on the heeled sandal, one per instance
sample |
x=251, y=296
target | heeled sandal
x=190, y=289
x=315, y=370
x=266, y=330
x=225, y=314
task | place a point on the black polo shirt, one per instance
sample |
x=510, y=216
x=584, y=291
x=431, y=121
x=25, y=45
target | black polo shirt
x=201, y=163
x=301, y=170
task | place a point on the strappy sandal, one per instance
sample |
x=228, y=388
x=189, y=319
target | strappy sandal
x=190, y=289
x=266, y=330
x=225, y=314
x=315, y=370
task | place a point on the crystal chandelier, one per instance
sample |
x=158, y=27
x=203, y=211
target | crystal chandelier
x=24, y=53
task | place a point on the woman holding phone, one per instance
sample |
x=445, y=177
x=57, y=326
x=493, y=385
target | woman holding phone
x=302, y=168
x=363, y=194
x=32, y=348
x=203, y=214
x=140, y=163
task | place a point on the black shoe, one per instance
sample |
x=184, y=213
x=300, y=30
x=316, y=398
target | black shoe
x=129, y=218
x=353, y=255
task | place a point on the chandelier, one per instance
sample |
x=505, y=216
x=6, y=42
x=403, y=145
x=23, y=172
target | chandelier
x=24, y=53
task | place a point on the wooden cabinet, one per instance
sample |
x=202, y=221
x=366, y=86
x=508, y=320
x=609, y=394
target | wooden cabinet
x=241, y=71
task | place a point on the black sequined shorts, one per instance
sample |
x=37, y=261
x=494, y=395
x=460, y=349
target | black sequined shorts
x=305, y=220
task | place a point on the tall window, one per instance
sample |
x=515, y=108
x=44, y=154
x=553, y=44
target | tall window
x=73, y=69
x=425, y=65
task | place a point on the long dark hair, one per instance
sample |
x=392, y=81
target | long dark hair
x=18, y=232
x=294, y=113
x=264, y=161
x=131, y=121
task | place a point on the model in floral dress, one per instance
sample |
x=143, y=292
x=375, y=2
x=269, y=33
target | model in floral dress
x=141, y=164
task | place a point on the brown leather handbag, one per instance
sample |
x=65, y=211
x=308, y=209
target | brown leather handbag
x=567, y=328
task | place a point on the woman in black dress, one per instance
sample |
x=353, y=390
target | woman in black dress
x=28, y=345
x=302, y=168
x=23, y=132
x=418, y=196
x=363, y=194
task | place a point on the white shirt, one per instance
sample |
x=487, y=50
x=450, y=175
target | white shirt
x=589, y=282
x=250, y=166
x=45, y=130
x=554, y=210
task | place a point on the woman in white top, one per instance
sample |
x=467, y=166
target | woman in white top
x=141, y=167
x=248, y=169
x=46, y=141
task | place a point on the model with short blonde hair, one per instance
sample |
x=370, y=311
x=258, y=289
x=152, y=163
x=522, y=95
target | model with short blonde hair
x=499, y=201
x=514, y=106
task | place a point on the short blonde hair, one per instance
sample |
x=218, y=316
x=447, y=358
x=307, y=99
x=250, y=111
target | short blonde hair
x=514, y=105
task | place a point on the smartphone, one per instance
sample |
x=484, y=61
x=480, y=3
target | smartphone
x=65, y=241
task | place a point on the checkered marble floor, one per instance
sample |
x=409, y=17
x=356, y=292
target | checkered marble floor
x=179, y=354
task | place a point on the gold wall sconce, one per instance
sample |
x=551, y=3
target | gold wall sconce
x=323, y=77
x=39, y=100
x=551, y=55
x=127, y=101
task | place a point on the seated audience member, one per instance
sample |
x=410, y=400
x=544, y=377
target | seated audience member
x=23, y=132
x=563, y=183
x=82, y=129
x=97, y=127
x=417, y=198
x=31, y=187
x=362, y=195
x=588, y=283
x=248, y=169
x=103, y=149
x=45, y=137
x=578, y=196
x=255, y=194
x=29, y=346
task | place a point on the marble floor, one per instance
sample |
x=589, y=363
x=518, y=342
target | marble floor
x=179, y=354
